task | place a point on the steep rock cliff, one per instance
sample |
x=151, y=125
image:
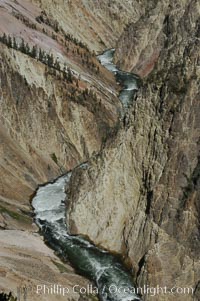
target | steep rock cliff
x=97, y=23
x=140, y=196
x=51, y=120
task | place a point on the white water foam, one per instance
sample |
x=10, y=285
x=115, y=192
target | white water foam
x=50, y=210
x=128, y=80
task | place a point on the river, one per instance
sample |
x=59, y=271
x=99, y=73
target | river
x=113, y=281
x=128, y=81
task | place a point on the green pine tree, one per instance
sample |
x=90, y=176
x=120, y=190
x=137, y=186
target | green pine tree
x=22, y=46
x=50, y=60
x=4, y=39
x=27, y=48
x=57, y=65
x=9, y=41
x=15, y=46
x=34, y=51
x=69, y=75
x=41, y=55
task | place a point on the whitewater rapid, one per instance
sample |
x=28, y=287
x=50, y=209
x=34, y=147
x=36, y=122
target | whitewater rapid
x=113, y=281
x=128, y=81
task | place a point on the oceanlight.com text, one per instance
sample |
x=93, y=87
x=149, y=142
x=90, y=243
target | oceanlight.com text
x=56, y=289
x=152, y=291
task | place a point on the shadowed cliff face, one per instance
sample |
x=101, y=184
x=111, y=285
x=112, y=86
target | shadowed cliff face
x=154, y=31
x=144, y=200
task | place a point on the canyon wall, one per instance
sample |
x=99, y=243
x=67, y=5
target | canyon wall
x=45, y=131
x=52, y=118
x=140, y=196
x=97, y=23
x=49, y=123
